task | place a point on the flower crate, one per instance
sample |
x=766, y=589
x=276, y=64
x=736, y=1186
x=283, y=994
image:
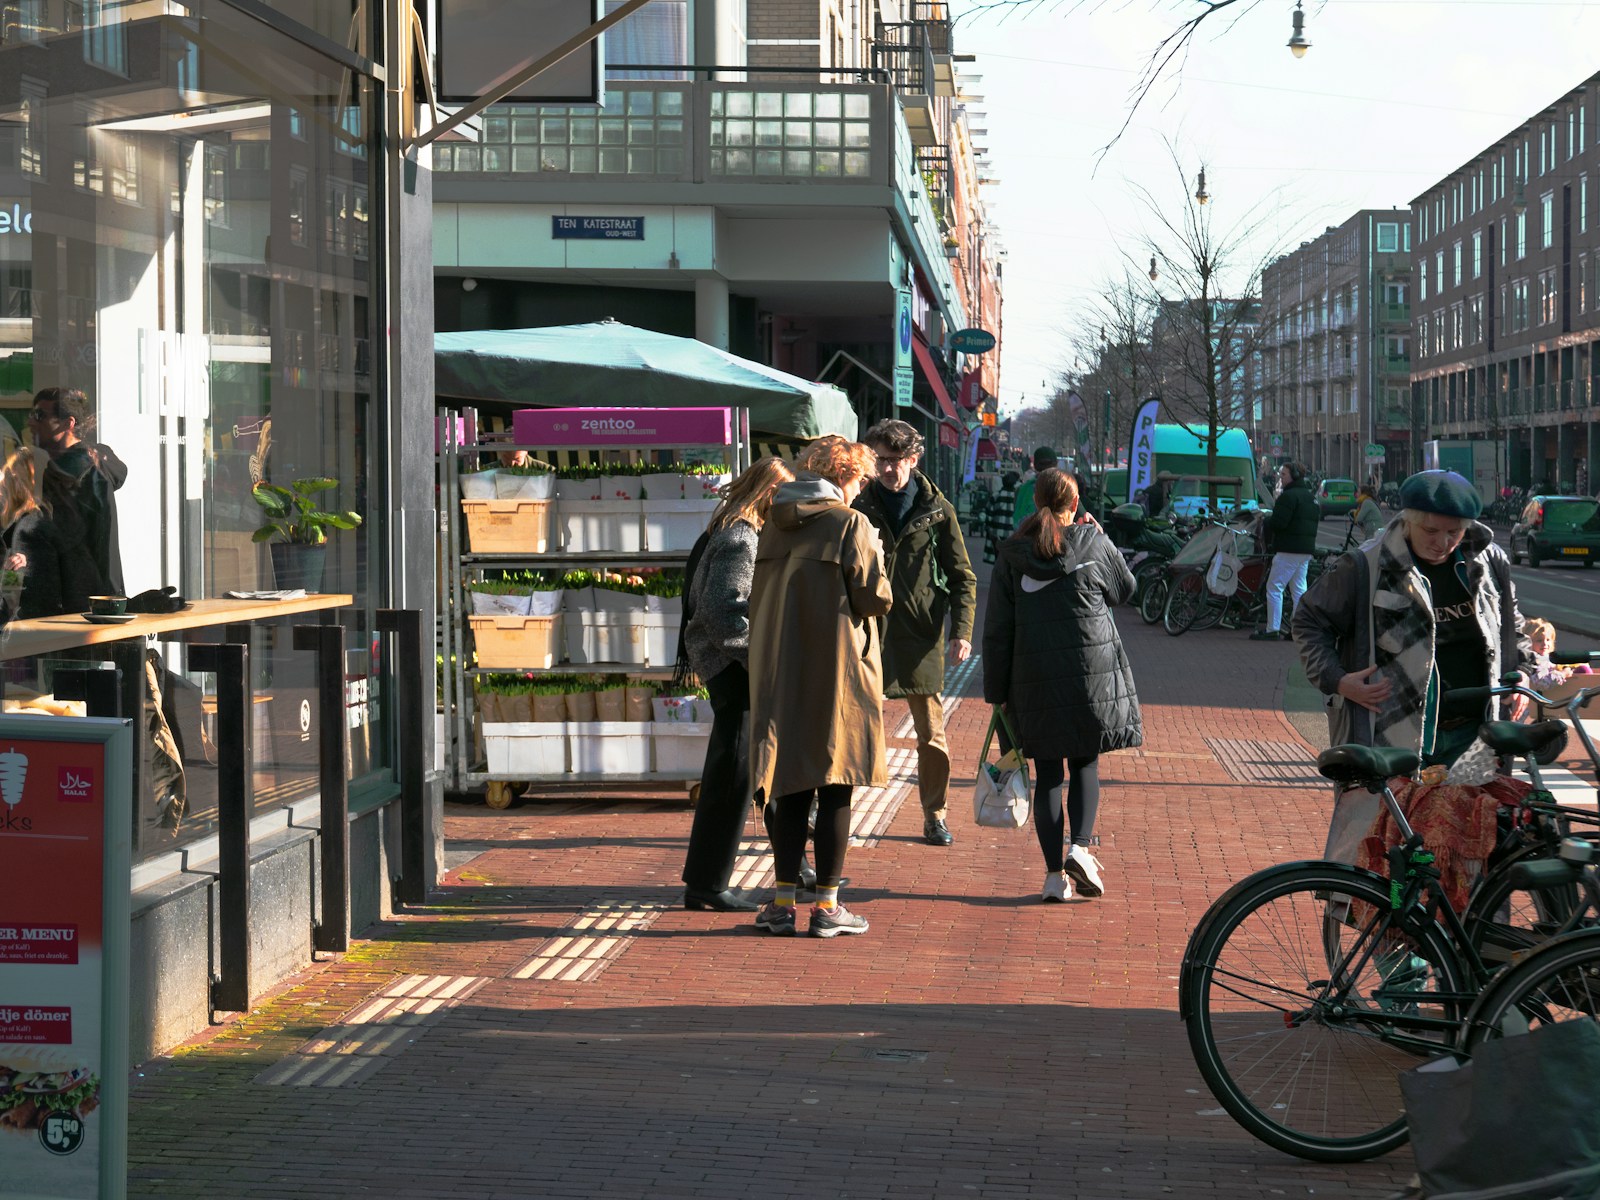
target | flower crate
x=680, y=746
x=606, y=637
x=526, y=748
x=516, y=643
x=601, y=525
x=674, y=525
x=608, y=747
x=507, y=526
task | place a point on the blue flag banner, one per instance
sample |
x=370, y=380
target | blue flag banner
x=1142, y=447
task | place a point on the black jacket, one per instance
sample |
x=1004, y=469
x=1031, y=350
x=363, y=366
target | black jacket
x=1051, y=649
x=1294, y=521
x=45, y=588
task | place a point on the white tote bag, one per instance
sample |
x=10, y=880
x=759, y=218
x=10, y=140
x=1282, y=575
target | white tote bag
x=1001, y=795
x=1222, y=576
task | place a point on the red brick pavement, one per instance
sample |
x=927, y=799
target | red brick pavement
x=973, y=1043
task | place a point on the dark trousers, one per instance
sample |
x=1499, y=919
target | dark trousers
x=724, y=785
x=787, y=825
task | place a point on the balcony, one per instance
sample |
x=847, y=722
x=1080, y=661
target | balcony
x=1395, y=364
x=1394, y=314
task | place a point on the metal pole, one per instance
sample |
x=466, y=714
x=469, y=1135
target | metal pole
x=230, y=991
x=413, y=742
x=327, y=642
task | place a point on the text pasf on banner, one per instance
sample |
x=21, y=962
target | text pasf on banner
x=625, y=427
x=52, y=936
x=1142, y=447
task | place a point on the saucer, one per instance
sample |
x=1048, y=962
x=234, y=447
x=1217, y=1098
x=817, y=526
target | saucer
x=108, y=618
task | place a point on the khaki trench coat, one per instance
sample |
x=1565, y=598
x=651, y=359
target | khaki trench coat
x=816, y=680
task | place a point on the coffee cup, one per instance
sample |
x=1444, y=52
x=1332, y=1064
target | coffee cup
x=108, y=606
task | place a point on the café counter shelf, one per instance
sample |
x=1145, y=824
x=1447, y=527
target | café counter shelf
x=46, y=635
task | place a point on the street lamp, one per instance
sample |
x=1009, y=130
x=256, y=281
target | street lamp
x=1200, y=194
x=1297, y=43
x=1154, y=275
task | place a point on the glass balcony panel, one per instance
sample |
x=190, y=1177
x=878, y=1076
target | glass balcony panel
x=583, y=131
x=554, y=158
x=524, y=129
x=857, y=165
x=857, y=135
x=857, y=106
x=669, y=161
x=641, y=133
x=741, y=104
x=467, y=158
x=739, y=133
x=797, y=162
x=641, y=104
x=797, y=104
x=584, y=160
x=797, y=133
x=641, y=162
x=525, y=158
x=827, y=106
x=738, y=162
x=669, y=133
x=612, y=131
x=496, y=158
x=827, y=133
x=829, y=164
x=769, y=104
x=496, y=129
x=553, y=129
x=769, y=162
x=669, y=104
x=613, y=161
x=769, y=133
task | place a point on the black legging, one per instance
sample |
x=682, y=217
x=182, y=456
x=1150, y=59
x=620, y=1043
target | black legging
x=788, y=830
x=1083, y=802
x=724, y=802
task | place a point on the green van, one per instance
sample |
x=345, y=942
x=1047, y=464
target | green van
x=1179, y=452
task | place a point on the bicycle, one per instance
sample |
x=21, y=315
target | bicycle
x=1307, y=987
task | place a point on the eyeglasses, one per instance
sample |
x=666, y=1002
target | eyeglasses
x=41, y=414
x=886, y=461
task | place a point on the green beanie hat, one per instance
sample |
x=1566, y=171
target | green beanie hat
x=1441, y=492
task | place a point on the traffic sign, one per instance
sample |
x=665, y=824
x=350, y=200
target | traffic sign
x=1374, y=448
x=904, y=386
x=1275, y=442
x=972, y=341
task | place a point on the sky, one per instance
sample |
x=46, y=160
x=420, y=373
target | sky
x=1392, y=96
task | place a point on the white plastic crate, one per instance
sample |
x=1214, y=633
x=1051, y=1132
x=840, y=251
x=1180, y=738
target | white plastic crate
x=674, y=525
x=605, y=637
x=659, y=635
x=609, y=747
x=586, y=526
x=526, y=747
x=681, y=746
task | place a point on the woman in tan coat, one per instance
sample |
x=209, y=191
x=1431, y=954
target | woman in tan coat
x=816, y=682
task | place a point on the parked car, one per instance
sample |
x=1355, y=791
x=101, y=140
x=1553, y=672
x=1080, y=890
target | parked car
x=1559, y=528
x=1336, y=497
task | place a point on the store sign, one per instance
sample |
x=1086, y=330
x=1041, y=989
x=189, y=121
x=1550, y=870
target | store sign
x=14, y=218
x=626, y=427
x=948, y=436
x=902, y=331
x=972, y=341
x=904, y=385
x=613, y=229
x=971, y=389
x=1142, y=447
x=65, y=829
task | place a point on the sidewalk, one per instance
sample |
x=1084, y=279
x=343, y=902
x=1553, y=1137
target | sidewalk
x=554, y=1025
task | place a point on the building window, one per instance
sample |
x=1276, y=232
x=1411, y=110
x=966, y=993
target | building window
x=31, y=131
x=1455, y=326
x=1474, y=320
x=1519, y=305
x=1477, y=255
x=1457, y=264
x=1405, y=238
x=1547, y=297
x=1522, y=235
x=1438, y=272
x=1422, y=282
x=216, y=197
x=1583, y=283
x=1547, y=220
x=1388, y=237
x=1502, y=241
x=1583, y=204
x=105, y=36
x=1505, y=313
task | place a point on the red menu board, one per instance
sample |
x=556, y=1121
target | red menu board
x=52, y=906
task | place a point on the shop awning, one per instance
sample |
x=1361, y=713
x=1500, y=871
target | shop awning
x=930, y=372
x=986, y=449
x=606, y=363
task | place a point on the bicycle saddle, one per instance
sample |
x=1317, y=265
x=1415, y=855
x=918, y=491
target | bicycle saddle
x=1542, y=741
x=1352, y=765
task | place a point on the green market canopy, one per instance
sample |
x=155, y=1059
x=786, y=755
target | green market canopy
x=608, y=364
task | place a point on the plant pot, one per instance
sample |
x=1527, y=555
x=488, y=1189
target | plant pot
x=295, y=565
x=611, y=704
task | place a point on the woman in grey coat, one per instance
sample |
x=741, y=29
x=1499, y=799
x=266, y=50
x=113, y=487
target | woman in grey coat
x=1053, y=657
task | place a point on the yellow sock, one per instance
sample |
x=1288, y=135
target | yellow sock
x=785, y=896
x=828, y=897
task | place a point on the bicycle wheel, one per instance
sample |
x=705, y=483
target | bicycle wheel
x=1303, y=1001
x=1504, y=920
x=1560, y=981
x=1212, y=610
x=1186, y=598
x=1154, y=600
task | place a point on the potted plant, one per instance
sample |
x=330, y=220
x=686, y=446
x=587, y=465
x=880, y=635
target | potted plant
x=301, y=527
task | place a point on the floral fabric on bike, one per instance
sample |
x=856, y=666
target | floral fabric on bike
x=1458, y=823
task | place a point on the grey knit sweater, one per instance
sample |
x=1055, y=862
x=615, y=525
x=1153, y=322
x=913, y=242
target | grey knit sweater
x=718, y=634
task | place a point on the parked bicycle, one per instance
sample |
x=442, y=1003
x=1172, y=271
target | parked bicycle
x=1307, y=987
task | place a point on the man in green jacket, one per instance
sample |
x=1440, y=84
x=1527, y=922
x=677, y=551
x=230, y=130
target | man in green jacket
x=1293, y=525
x=932, y=579
x=1044, y=458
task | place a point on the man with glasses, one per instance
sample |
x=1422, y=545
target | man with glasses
x=932, y=580
x=83, y=475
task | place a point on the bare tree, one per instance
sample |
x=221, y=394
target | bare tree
x=1203, y=338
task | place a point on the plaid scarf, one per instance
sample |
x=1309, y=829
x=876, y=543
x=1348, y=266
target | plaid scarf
x=1403, y=647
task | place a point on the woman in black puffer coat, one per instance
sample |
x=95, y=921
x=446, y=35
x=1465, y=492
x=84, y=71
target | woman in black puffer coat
x=1052, y=656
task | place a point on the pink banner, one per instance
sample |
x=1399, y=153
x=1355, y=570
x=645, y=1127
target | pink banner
x=622, y=426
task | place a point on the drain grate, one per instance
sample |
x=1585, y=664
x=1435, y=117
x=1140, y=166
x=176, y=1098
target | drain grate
x=369, y=1037
x=1275, y=764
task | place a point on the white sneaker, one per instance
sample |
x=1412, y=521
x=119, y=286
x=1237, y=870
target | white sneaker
x=1057, y=888
x=1085, y=871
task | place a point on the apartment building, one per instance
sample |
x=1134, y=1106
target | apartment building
x=1332, y=375
x=1505, y=321
x=803, y=176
